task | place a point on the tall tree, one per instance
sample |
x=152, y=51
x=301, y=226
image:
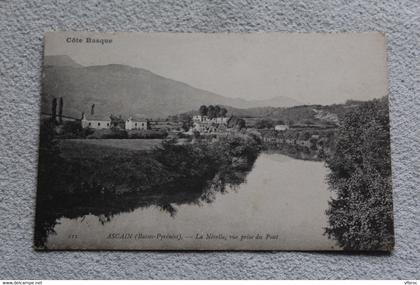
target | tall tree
x=54, y=109
x=217, y=111
x=236, y=122
x=203, y=110
x=241, y=124
x=223, y=112
x=211, y=112
x=60, y=111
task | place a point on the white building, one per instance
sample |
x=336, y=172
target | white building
x=281, y=127
x=205, y=125
x=96, y=122
x=205, y=119
x=136, y=124
x=199, y=118
x=221, y=120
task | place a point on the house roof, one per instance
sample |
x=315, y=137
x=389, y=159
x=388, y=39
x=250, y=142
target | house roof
x=97, y=117
x=137, y=118
x=100, y=117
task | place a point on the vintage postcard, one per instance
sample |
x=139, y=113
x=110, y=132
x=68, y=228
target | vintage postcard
x=171, y=141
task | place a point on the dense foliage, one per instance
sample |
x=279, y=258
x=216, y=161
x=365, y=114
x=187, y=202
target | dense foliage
x=264, y=124
x=236, y=122
x=360, y=213
x=212, y=111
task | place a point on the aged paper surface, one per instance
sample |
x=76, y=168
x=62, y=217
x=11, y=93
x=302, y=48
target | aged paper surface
x=268, y=141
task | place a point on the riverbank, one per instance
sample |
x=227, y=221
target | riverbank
x=76, y=181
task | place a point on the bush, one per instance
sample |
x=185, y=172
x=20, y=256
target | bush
x=108, y=134
x=360, y=216
x=147, y=134
x=73, y=129
x=264, y=124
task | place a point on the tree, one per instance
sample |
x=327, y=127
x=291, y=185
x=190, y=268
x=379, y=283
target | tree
x=211, y=112
x=117, y=123
x=304, y=136
x=186, y=120
x=264, y=124
x=217, y=111
x=241, y=124
x=54, y=109
x=236, y=122
x=203, y=110
x=360, y=214
x=223, y=112
x=60, y=111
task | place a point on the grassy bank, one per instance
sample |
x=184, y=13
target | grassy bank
x=105, y=180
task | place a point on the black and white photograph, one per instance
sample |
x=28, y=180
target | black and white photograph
x=222, y=141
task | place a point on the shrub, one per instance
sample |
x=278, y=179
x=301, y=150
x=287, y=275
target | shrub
x=147, y=134
x=360, y=216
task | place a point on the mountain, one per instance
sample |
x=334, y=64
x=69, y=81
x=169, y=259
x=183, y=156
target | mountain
x=60, y=60
x=120, y=89
x=281, y=101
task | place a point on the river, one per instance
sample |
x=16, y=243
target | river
x=283, y=200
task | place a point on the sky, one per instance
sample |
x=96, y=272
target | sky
x=311, y=68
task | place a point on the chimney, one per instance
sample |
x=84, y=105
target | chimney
x=92, y=109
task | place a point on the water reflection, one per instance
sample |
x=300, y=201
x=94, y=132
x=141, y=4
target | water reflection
x=274, y=198
x=95, y=199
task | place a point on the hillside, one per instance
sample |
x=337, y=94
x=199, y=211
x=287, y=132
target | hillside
x=121, y=89
x=60, y=60
x=296, y=115
x=303, y=114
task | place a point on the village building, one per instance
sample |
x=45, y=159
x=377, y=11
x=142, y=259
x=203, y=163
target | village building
x=200, y=118
x=95, y=122
x=281, y=128
x=136, y=124
x=221, y=120
x=204, y=124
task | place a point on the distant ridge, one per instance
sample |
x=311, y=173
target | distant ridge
x=121, y=89
x=60, y=60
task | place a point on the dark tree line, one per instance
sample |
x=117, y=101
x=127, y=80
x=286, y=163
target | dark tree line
x=212, y=111
x=360, y=214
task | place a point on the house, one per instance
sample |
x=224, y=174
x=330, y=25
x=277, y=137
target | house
x=204, y=124
x=204, y=127
x=281, y=128
x=95, y=122
x=136, y=124
x=221, y=120
x=200, y=118
x=217, y=120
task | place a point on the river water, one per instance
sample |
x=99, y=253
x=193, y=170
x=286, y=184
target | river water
x=283, y=201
